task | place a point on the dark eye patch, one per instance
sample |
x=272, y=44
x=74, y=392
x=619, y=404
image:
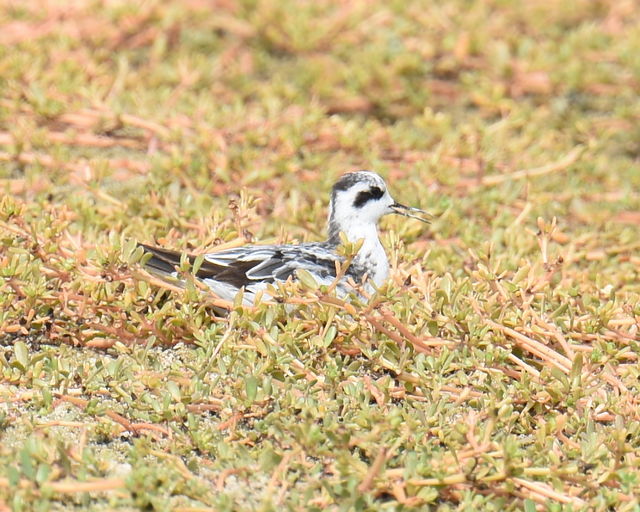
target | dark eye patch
x=367, y=195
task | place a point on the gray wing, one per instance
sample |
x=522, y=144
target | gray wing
x=249, y=265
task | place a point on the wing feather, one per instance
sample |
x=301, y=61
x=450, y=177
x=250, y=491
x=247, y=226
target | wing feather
x=252, y=265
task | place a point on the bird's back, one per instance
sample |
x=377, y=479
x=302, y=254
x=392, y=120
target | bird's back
x=252, y=267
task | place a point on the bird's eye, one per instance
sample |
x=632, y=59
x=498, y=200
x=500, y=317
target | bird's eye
x=376, y=192
x=367, y=195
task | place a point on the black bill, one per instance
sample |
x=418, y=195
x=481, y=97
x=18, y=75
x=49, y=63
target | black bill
x=410, y=211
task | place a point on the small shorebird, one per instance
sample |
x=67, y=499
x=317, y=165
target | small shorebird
x=358, y=200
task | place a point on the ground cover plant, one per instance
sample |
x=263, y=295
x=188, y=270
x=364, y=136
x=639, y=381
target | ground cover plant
x=498, y=368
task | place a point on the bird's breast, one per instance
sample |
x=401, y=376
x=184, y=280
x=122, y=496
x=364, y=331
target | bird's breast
x=372, y=261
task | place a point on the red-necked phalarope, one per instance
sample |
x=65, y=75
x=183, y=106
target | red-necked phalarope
x=358, y=200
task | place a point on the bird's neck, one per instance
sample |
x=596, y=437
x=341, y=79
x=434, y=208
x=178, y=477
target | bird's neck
x=367, y=232
x=354, y=231
x=371, y=258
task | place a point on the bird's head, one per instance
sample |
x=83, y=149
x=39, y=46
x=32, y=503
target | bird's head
x=358, y=200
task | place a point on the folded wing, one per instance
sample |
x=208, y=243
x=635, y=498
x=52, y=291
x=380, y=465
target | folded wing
x=251, y=265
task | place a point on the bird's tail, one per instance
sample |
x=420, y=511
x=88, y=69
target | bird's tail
x=162, y=262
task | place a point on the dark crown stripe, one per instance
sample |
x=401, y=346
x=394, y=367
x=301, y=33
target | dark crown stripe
x=348, y=180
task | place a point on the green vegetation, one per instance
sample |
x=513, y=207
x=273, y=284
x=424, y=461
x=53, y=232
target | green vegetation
x=497, y=370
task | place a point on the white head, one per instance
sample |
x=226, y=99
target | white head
x=358, y=200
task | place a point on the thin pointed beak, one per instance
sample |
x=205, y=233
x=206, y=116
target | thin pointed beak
x=410, y=211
